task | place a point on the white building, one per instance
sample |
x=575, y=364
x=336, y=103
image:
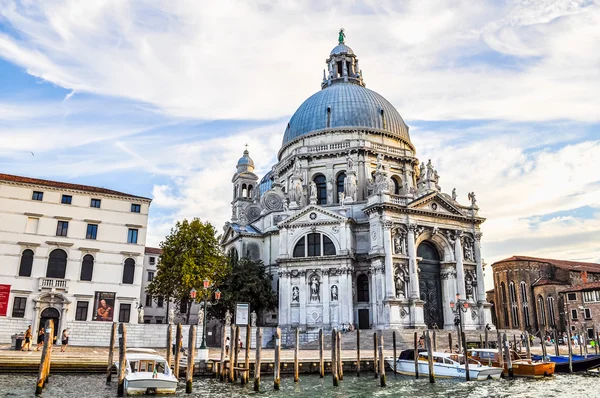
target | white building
x=356, y=229
x=68, y=252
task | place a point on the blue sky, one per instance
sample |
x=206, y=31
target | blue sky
x=158, y=98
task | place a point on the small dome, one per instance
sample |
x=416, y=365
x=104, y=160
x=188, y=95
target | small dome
x=341, y=49
x=246, y=160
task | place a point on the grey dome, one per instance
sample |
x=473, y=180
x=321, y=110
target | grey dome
x=341, y=49
x=352, y=106
x=246, y=160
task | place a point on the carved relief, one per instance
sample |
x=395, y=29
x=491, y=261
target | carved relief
x=272, y=201
x=401, y=280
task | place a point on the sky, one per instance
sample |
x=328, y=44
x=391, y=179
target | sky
x=157, y=98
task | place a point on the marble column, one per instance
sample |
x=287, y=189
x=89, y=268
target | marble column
x=387, y=247
x=36, y=317
x=304, y=295
x=326, y=297
x=480, y=284
x=373, y=297
x=448, y=276
x=460, y=271
x=349, y=298
x=61, y=323
x=412, y=263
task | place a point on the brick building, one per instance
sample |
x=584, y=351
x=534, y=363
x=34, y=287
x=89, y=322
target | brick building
x=534, y=294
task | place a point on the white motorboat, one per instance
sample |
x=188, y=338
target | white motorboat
x=147, y=373
x=445, y=365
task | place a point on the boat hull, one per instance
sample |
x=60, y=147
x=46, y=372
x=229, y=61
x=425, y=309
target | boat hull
x=446, y=371
x=149, y=385
x=580, y=364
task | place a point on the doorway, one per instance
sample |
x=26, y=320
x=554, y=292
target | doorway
x=430, y=285
x=363, y=319
x=47, y=314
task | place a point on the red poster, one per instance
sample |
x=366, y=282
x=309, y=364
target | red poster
x=4, y=295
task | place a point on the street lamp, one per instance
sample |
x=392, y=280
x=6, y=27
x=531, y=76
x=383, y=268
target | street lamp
x=458, y=308
x=205, y=292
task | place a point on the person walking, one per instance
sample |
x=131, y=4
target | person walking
x=40, y=339
x=65, y=340
x=27, y=339
x=227, y=343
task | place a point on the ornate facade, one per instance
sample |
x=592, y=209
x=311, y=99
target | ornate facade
x=353, y=227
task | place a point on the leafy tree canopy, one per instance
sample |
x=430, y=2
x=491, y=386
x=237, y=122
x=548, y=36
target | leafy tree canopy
x=248, y=281
x=191, y=253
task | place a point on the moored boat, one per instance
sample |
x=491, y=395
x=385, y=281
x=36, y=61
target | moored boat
x=445, y=365
x=579, y=363
x=147, y=373
x=522, y=367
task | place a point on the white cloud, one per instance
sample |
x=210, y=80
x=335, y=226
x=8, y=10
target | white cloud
x=235, y=59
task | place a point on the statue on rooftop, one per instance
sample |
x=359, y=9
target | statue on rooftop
x=341, y=36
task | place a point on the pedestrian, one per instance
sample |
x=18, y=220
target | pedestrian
x=227, y=344
x=40, y=339
x=65, y=340
x=240, y=343
x=27, y=339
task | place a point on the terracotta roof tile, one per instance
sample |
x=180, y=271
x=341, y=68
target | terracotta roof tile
x=65, y=185
x=570, y=265
x=153, y=250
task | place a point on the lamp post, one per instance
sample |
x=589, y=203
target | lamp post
x=458, y=308
x=205, y=292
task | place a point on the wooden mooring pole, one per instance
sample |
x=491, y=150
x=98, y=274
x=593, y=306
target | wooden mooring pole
x=508, y=356
x=111, y=350
x=382, y=381
x=190, y=359
x=235, y=353
x=569, y=342
x=277, y=365
x=232, y=344
x=556, y=349
x=46, y=350
x=357, y=353
x=430, y=358
x=417, y=356
x=321, y=359
x=375, y=364
x=459, y=338
x=450, y=348
x=246, y=377
x=544, y=353
x=394, y=347
x=334, y=361
x=486, y=338
x=597, y=340
x=122, y=358
x=178, y=341
x=500, y=348
x=434, y=341
x=464, y=344
x=528, y=345
x=296, y=370
x=169, y=344
x=222, y=373
x=257, y=360
x=339, y=356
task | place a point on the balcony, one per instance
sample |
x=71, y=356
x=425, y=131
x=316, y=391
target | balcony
x=53, y=285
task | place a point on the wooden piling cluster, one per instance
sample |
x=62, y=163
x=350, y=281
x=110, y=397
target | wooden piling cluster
x=44, y=370
x=257, y=361
x=277, y=370
x=189, y=379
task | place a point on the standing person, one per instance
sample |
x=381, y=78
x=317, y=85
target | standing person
x=65, y=340
x=27, y=339
x=227, y=343
x=40, y=339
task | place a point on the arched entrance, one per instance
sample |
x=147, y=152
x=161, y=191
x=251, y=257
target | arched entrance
x=430, y=285
x=47, y=314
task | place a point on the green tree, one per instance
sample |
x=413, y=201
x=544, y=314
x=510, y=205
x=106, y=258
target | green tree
x=191, y=253
x=247, y=282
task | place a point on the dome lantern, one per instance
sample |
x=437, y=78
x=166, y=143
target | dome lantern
x=245, y=163
x=342, y=65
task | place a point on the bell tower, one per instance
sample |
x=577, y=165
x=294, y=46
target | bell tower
x=245, y=187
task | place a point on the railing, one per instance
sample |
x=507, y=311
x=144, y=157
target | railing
x=397, y=200
x=53, y=284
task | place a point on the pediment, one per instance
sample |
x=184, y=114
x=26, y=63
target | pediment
x=435, y=203
x=313, y=215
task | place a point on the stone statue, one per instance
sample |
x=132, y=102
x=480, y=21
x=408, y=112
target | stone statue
x=227, y=318
x=200, y=317
x=297, y=171
x=171, y=315
x=436, y=176
x=295, y=294
x=422, y=171
x=313, y=190
x=400, y=282
x=315, y=286
x=140, y=314
x=341, y=36
x=253, y=319
x=397, y=249
x=469, y=288
x=471, y=197
x=286, y=206
x=342, y=198
x=430, y=170
x=297, y=193
x=454, y=194
x=350, y=162
x=334, y=293
x=350, y=186
x=380, y=158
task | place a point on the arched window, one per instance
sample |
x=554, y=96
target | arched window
x=233, y=256
x=128, y=271
x=514, y=306
x=87, y=268
x=244, y=190
x=428, y=252
x=542, y=311
x=340, y=185
x=551, y=318
x=397, y=185
x=362, y=288
x=525, y=304
x=26, y=263
x=57, y=264
x=314, y=245
x=504, y=305
x=249, y=191
x=321, y=189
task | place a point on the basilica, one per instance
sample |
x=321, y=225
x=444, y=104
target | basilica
x=354, y=228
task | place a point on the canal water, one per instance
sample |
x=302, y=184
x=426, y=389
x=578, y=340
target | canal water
x=311, y=386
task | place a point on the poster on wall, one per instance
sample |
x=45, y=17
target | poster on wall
x=104, y=304
x=242, y=313
x=4, y=295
